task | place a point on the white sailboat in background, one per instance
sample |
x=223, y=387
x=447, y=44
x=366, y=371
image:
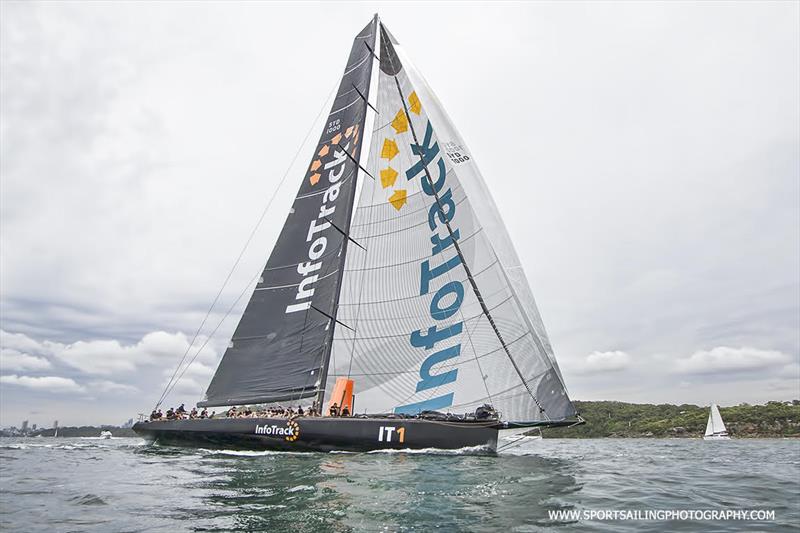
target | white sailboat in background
x=715, y=429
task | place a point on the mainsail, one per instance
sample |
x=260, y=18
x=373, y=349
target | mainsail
x=437, y=311
x=715, y=425
x=441, y=312
x=281, y=345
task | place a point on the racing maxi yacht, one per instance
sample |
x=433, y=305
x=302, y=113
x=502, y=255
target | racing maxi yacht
x=394, y=283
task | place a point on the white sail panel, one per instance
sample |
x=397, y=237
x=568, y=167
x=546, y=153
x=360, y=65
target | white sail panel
x=471, y=179
x=715, y=424
x=420, y=337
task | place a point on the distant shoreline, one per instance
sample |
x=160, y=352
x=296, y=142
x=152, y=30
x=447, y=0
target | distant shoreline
x=71, y=431
x=609, y=419
x=604, y=419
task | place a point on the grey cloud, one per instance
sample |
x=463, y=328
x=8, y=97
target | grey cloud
x=723, y=359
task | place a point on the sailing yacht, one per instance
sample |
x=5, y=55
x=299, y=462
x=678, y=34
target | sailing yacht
x=393, y=282
x=715, y=428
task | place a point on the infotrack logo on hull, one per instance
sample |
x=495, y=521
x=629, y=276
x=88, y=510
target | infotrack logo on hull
x=291, y=432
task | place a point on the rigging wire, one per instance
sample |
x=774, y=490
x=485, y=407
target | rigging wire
x=228, y=312
x=172, y=380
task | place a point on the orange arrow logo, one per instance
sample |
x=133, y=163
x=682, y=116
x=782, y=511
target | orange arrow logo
x=388, y=177
x=414, y=103
x=398, y=199
x=389, y=149
x=400, y=122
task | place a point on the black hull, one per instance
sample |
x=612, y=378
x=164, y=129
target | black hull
x=319, y=433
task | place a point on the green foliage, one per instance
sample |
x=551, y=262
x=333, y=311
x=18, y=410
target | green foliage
x=619, y=419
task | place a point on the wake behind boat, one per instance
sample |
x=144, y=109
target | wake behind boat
x=394, y=276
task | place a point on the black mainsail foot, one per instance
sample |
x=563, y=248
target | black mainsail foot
x=406, y=289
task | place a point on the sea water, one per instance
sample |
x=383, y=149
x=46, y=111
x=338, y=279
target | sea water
x=65, y=484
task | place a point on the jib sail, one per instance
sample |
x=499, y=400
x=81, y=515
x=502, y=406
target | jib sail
x=441, y=314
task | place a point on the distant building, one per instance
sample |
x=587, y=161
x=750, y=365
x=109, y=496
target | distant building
x=128, y=424
x=55, y=424
x=34, y=427
x=24, y=428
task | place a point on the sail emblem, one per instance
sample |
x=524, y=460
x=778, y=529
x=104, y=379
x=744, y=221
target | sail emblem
x=389, y=149
x=400, y=122
x=415, y=106
x=388, y=177
x=350, y=133
x=398, y=199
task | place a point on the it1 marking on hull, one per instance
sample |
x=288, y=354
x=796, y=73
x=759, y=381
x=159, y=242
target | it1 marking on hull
x=387, y=434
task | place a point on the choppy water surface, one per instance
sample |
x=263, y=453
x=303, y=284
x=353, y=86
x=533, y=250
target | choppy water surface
x=123, y=485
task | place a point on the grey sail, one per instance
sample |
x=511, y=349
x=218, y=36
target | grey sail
x=442, y=315
x=280, y=348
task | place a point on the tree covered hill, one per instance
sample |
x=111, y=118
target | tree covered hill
x=619, y=419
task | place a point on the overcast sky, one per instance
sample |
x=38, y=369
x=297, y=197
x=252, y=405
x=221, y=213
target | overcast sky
x=645, y=157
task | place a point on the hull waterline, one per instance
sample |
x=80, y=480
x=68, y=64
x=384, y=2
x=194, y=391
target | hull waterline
x=320, y=433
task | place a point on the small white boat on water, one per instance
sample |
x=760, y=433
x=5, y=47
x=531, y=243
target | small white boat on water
x=715, y=429
x=105, y=434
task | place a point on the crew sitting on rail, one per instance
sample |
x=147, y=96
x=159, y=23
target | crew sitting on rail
x=193, y=413
x=180, y=411
x=204, y=413
x=345, y=411
x=334, y=409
